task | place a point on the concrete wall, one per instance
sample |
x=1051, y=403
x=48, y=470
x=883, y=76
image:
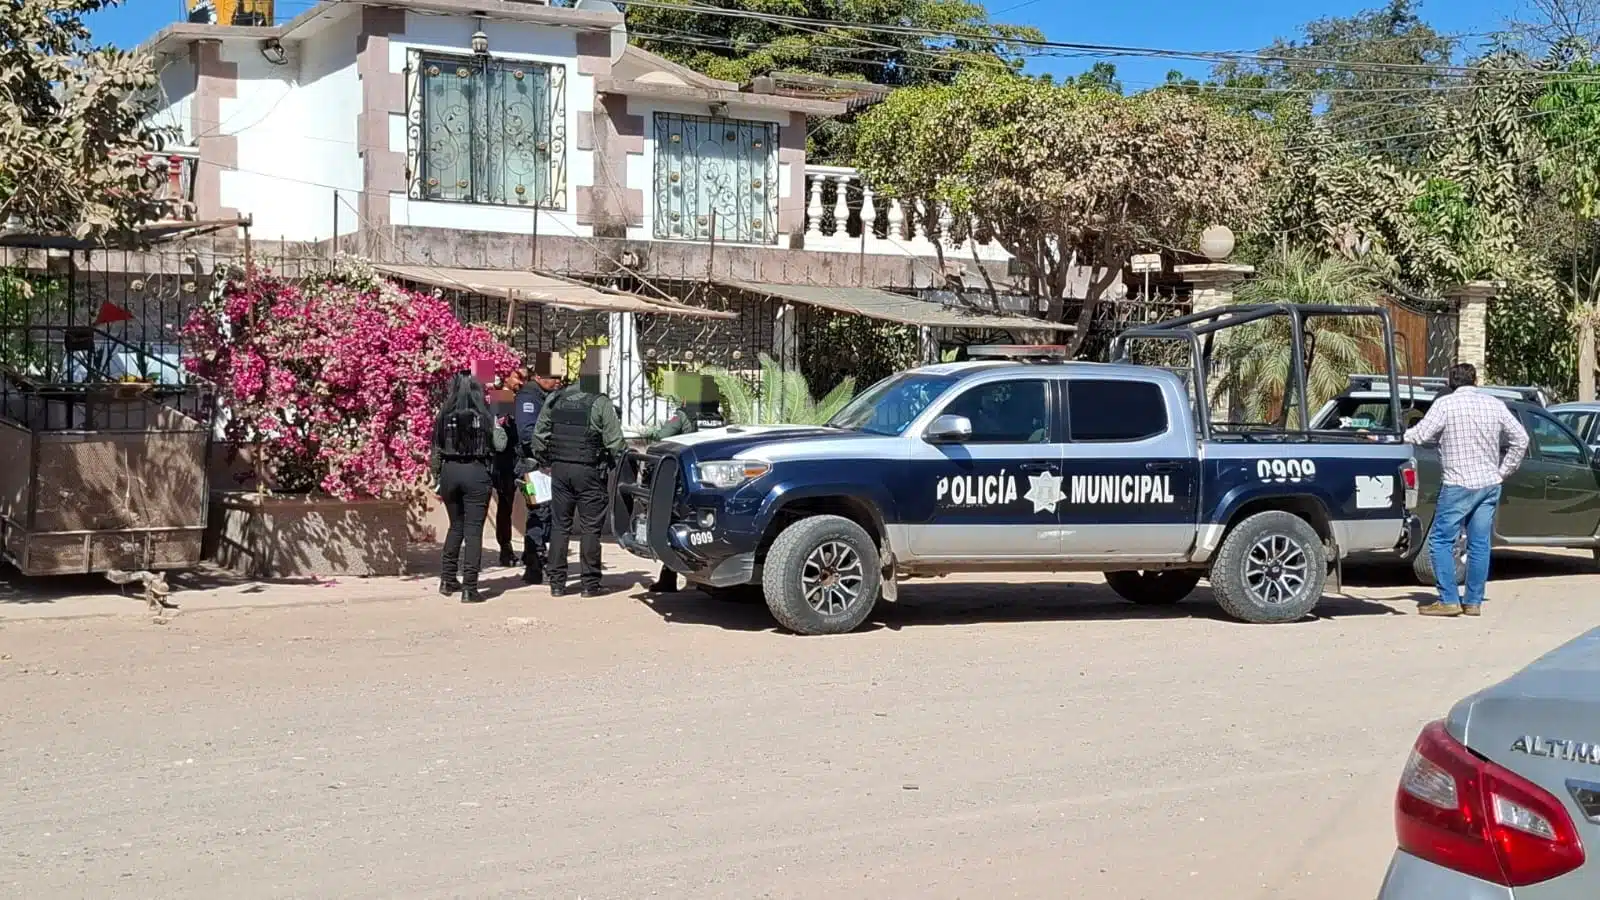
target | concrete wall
x=295, y=130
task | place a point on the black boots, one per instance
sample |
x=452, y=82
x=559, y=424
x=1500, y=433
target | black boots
x=449, y=587
x=507, y=559
x=471, y=594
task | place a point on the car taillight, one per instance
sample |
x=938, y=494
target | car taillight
x=1467, y=814
x=1408, y=478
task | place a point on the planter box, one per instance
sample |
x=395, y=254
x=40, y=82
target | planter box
x=308, y=536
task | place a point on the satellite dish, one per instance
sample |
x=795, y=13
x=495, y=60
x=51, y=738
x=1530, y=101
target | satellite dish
x=619, y=33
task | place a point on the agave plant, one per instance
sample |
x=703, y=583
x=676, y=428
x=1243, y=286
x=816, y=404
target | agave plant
x=783, y=397
x=1258, y=355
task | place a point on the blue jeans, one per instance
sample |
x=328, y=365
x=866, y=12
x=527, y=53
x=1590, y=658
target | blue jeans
x=1474, y=509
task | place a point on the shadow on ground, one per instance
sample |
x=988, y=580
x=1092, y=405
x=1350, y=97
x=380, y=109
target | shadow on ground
x=1506, y=565
x=930, y=604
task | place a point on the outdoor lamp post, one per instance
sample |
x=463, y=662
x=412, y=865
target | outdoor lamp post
x=480, y=40
x=1216, y=242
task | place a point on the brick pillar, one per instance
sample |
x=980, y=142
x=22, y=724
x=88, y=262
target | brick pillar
x=1212, y=286
x=1471, y=301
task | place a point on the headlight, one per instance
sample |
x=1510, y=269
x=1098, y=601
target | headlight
x=729, y=473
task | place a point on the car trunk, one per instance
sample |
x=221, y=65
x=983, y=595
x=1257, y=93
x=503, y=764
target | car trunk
x=1544, y=724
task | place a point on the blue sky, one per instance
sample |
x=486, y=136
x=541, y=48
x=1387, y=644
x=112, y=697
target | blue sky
x=1174, y=24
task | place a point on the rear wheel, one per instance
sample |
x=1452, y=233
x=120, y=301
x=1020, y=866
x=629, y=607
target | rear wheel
x=822, y=576
x=1162, y=587
x=1270, y=569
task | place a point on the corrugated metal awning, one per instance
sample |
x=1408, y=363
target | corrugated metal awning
x=878, y=304
x=533, y=287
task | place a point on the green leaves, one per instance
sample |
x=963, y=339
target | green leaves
x=75, y=132
x=783, y=397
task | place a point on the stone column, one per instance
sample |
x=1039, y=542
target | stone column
x=1212, y=286
x=1471, y=301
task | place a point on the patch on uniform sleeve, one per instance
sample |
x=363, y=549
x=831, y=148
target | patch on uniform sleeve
x=530, y=407
x=1374, y=491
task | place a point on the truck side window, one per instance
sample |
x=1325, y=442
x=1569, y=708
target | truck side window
x=1005, y=412
x=1099, y=411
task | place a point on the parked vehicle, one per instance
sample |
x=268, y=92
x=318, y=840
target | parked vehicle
x=1584, y=420
x=1501, y=799
x=1552, y=500
x=1020, y=462
x=1364, y=405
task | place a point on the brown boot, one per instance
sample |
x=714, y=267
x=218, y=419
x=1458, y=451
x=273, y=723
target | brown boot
x=1441, y=610
x=1471, y=610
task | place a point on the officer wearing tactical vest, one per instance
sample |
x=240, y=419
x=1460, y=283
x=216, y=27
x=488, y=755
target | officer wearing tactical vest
x=579, y=437
x=465, y=440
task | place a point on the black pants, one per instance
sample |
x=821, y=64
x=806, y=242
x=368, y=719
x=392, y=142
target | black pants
x=505, y=505
x=465, y=488
x=536, y=539
x=579, y=503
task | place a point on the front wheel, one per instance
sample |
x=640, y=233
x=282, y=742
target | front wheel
x=1270, y=569
x=1162, y=587
x=822, y=576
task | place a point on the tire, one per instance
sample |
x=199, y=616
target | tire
x=1242, y=574
x=812, y=548
x=742, y=593
x=1422, y=563
x=1161, y=587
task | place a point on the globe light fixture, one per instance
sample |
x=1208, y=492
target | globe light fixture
x=1216, y=242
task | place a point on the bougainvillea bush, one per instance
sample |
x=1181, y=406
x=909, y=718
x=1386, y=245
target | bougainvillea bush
x=335, y=381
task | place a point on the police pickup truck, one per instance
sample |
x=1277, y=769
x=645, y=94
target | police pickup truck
x=1013, y=465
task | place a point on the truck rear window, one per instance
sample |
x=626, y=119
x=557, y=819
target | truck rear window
x=1115, y=410
x=1368, y=414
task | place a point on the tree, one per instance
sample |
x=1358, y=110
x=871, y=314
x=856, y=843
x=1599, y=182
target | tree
x=1570, y=121
x=1372, y=77
x=776, y=37
x=850, y=46
x=1064, y=176
x=1258, y=355
x=73, y=123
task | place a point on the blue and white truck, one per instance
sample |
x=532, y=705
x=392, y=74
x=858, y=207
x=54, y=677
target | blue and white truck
x=1018, y=463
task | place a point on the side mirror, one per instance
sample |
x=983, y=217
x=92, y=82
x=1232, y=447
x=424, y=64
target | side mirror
x=950, y=430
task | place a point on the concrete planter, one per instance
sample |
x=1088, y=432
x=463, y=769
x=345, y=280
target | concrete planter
x=307, y=536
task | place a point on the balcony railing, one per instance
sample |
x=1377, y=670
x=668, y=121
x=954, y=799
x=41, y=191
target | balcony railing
x=841, y=208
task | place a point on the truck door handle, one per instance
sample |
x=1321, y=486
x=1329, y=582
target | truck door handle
x=1164, y=466
x=1035, y=467
x=1552, y=479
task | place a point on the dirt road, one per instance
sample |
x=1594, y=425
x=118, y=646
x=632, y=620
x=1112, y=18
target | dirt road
x=984, y=741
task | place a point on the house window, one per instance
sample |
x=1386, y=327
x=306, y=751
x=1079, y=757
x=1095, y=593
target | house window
x=486, y=130
x=716, y=177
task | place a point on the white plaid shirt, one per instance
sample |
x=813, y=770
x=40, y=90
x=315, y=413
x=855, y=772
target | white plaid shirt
x=1468, y=425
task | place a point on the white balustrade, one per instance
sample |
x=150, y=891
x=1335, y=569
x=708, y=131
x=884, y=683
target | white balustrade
x=908, y=228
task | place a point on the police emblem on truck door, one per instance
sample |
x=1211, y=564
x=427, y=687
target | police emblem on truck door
x=997, y=493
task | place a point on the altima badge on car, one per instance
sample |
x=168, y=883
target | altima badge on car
x=1551, y=748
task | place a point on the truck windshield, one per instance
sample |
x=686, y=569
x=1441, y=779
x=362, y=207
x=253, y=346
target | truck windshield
x=890, y=406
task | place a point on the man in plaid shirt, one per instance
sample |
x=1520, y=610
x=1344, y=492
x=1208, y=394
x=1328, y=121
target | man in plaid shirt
x=1470, y=427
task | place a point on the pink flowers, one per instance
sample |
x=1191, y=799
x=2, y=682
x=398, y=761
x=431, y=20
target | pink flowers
x=336, y=381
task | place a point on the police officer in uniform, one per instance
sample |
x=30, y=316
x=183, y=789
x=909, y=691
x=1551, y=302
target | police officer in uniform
x=465, y=440
x=530, y=400
x=579, y=437
x=505, y=468
x=680, y=422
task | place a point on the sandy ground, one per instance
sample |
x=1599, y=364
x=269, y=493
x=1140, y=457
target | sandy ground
x=372, y=740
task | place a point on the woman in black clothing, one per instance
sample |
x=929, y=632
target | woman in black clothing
x=465, y=440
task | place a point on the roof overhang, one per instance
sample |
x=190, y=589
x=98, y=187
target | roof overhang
x=691, y=93
x=178, y=35
x=537, y=287
x=145, y=235
x=876, y=304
